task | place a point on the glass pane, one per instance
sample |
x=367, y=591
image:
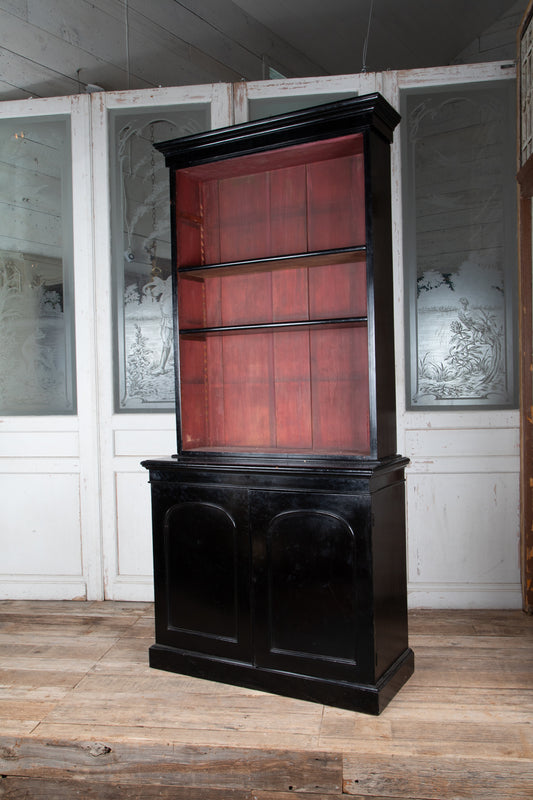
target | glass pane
x=526, y=92
x=261, y=107
x=144, y=374
x=37, y=371
x=460, y=245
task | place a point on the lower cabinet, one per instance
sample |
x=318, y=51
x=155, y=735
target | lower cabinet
x=284, y=580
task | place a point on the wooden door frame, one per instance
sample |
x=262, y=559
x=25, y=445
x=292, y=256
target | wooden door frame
x=525, y=178
x=525, y=210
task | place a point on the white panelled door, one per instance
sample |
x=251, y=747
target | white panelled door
x=132, y=254
x=463, y=480
x=49, y=459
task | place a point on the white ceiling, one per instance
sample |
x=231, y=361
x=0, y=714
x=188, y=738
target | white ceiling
x=403, y=34
x=56, y=47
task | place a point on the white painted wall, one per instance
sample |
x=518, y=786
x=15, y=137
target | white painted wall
x=497, y=42
x=74, y=501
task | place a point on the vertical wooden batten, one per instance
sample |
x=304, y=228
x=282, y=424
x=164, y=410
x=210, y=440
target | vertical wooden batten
x=525, y=210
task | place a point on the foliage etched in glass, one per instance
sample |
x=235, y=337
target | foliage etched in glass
x=142, y=253
x=460, y=249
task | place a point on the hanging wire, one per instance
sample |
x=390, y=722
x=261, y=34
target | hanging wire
x=127, y=37
x=153, y=244
x=365, y=43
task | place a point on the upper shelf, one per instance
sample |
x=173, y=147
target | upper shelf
x=322, y=258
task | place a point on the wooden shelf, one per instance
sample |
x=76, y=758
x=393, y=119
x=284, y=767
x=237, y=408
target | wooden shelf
x=266, y=326
x=322, y=258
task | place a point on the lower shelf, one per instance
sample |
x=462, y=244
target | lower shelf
x=365, y=698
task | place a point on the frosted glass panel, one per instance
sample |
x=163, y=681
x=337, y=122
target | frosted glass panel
x=526, y=93
x=37, y=374
x=144, y=374
x=460, y=245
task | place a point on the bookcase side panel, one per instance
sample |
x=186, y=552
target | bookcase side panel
x=189, y=221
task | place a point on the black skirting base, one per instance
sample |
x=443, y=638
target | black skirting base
x=366, y=698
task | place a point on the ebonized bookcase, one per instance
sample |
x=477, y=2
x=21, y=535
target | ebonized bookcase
x=279, y=525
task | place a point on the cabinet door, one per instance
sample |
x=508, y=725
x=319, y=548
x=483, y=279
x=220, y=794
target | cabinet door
x=201, y=560
x=312, y=583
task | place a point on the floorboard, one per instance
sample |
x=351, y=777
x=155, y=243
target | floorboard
x=83, y=715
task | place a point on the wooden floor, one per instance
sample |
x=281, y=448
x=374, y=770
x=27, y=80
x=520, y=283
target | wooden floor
x=82, y=715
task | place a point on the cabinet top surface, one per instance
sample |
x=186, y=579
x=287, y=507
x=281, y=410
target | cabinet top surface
x=248, y=465
x=329, y=120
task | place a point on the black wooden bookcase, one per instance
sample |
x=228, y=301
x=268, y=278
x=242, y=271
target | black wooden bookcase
x=279, y=526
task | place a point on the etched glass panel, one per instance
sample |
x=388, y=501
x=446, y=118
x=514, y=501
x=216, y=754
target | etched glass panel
x=526, y=93
x=141, y=240
x=37, y=371
x=460, y=245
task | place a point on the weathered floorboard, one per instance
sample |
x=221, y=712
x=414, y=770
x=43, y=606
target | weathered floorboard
x=173, y=765
x=433, y=779
x=36, y=789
